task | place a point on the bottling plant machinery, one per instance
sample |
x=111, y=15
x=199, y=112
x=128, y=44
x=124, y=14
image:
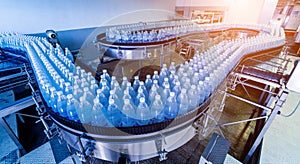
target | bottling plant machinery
x=252, y=61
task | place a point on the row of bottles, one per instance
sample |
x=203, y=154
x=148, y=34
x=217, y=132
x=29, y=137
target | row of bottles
x=74, y=93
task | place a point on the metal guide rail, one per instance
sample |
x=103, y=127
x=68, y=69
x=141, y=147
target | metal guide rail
x=265, y=73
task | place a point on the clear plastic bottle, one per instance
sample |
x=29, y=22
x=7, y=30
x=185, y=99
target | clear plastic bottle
x=97, y=114
x=163, y=73
x=171, y=107
x=174, y=81
x=102, y=81
x=156, y=109
x=68, y=88
x=165, y=94
x=71, y=108
x=183, y=78
x=113, y=82
x=187, y=84
x=140, y=94
x=89, y=77
x=53, y=99
x=61, y=84
x=128, y=114
x=172, y=67
x=124, y=83
x=61, y=104
x=136, y=83
x=106, y=75
x=153, y=92
x=88, y=96
x=102, y=98
x=77, y=92
x=130, y=90
x=201, y=92
x=177, y=89
x=143, y=112
x=142, y=86
x=105, y=89
x=126, y=95
x=195, y=78
x=113, y=95
x=207, y=87
x=84, y=111
x=183, y=102
x=148, y=82
x=93, y=87
x=165, y=82
x=155, y=76
x=114, y=115
x=193, y=97
x=118, y=90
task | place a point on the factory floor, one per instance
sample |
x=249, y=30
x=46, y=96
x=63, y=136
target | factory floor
x=280, y=144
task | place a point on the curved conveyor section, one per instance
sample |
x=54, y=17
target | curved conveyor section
x=139, y=142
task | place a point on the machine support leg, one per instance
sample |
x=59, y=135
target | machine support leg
x=12, y=135
x=266, y=126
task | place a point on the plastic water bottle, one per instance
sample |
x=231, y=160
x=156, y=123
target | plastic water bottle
x=195, y=78
x=143, y=112
x=84, y=111
x=153, y=92
x=183, y=102
x=155, y=76
x=156, y=109
x=183, y=78
x=142, y=86
x=171, y=107
x=102, y=81
x=207, y=87
x=102, y=98
x=113, y=82
x=130, y=90
x=165, y=94
x=61, y=104
x=193, y=97
x=171, y=78
x=89, y=77
x=93, y=87
x=76, y=80
x=124, y=83
x=172, y=67
x=118, y=90
x=88, y=96
x=68, y=88
x=162, y=75
x=126, y=95
x=201, y=91
x=136, y=83
x=177, y=89
x=174, y=81
x=187, y=84
x=97, y=113
x=61, y=84
x=148, y=82
x=105, y=89
x=139, y=95
x=128, y=114
x=77, y=92
x=52, y=99
x=106, y=76
x=165, y=82
x=71, y=108
x=113, y=113
x=114, y=96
